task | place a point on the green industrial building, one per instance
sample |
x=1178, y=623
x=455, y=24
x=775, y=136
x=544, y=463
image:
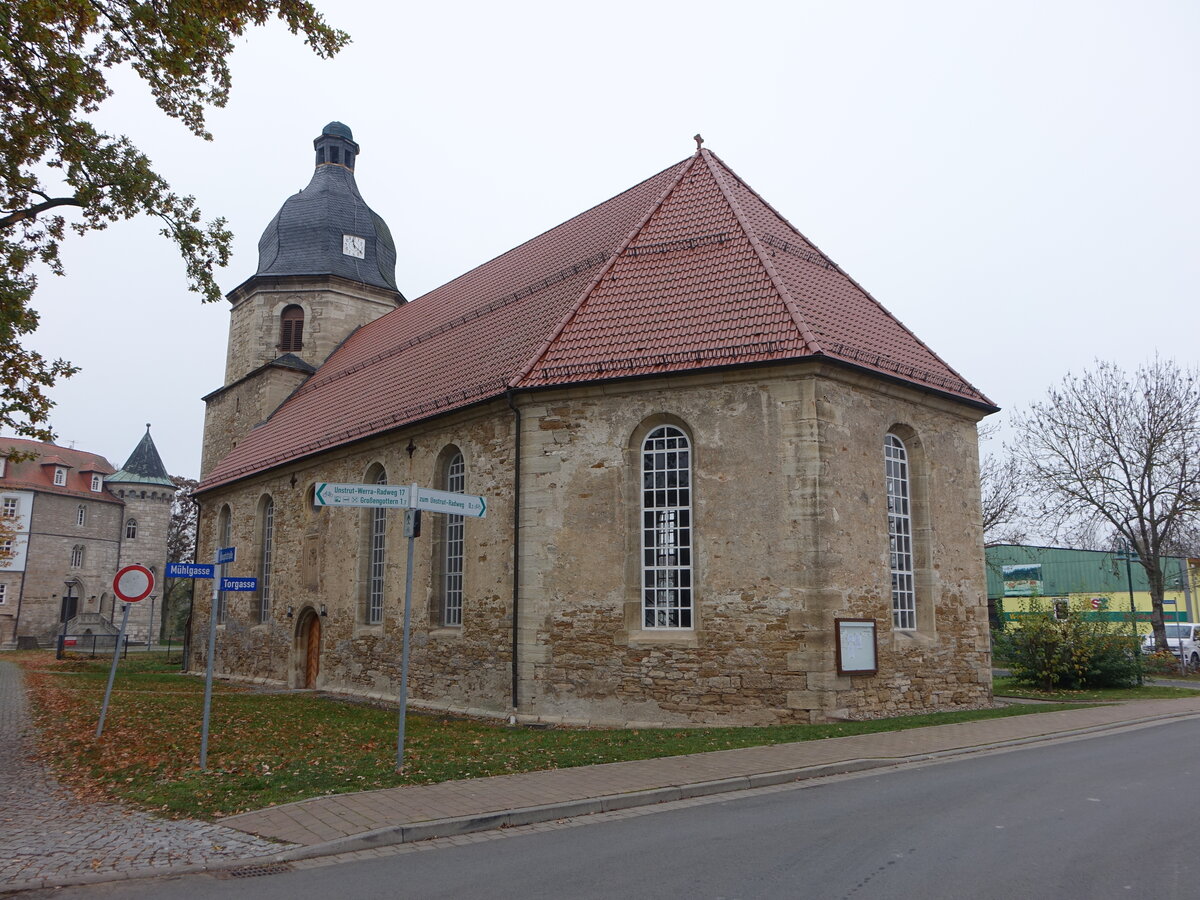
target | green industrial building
x=1097, y=581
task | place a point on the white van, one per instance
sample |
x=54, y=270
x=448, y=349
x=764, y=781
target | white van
x=1187, y=633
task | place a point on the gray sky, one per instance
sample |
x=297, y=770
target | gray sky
x=1015, y=181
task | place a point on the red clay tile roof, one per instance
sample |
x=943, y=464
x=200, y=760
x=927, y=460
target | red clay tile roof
x=688, y=270
x=38, y=473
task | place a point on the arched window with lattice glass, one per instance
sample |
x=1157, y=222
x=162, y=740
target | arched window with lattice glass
x=667, y=600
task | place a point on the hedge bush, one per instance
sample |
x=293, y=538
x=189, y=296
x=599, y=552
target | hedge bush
x=1071, y=653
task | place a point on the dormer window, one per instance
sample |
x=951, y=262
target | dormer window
x=60, y=476
x=97, y=483
x=291, y=329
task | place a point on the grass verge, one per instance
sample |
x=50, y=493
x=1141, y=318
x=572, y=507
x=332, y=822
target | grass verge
x=266, y=749
x=1008, y=687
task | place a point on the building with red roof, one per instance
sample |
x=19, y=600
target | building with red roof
x=76, y=521
x=723, y=483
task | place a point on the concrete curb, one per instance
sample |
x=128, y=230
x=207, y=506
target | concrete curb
x=392, y=835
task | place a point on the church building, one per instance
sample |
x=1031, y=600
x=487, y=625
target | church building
x=724, y=485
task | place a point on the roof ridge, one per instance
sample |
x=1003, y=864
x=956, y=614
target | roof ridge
x=806, y=334
x=612, y=261
x=887, y=312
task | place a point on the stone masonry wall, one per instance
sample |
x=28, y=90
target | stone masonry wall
x=53, y=535
x=320, y=557
x=149, y=548
x=790, y=532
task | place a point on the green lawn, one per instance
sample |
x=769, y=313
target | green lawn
x=1008, y=687
x=266, y=749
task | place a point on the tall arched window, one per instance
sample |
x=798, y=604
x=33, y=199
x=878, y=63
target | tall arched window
x=77, y=556
x=130, y=529
x=377, y=556
x=224, y=539
x=291, y=329
x=454, y=478
x=81, y=515
x=666, y=529
x=264, y=575
x=900, y=541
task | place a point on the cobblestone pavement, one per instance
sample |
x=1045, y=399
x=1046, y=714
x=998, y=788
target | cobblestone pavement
x=47, y=836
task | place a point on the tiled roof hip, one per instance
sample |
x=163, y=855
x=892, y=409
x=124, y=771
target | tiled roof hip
x=688, y=270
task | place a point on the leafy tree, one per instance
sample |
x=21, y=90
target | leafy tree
x=55, y=56
x=181, y=547
x=1120, y=452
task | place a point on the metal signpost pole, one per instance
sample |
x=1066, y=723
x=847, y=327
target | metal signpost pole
x=208, y=672
x=412, y=525
x=150, y=633
x=132, y=584
x=112, y=672
x=412, y=499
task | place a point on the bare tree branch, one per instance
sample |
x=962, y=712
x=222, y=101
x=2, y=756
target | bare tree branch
x=1110, y=451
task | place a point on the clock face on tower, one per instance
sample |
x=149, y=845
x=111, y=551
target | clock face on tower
x=353, y=245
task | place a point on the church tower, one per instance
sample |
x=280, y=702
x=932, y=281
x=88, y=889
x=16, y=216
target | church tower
x=326, y=266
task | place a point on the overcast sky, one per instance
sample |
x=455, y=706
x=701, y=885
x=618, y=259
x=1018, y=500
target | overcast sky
x=1015, y=181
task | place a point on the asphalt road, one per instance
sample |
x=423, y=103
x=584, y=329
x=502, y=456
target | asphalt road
x=1100, y=817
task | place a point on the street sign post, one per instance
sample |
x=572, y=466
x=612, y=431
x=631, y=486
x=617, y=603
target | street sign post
x=387, y=496
x=132, y=584
x=450, y=502
x=412, y=499
x=190, y=570
x=221, y=556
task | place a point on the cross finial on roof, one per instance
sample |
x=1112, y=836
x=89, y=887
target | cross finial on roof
x=699, y=140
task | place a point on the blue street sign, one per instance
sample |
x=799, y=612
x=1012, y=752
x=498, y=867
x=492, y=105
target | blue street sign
x=239, y=584
x=225, y=555
x=190, y=570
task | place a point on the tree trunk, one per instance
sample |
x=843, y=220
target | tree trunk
x=1154, y=574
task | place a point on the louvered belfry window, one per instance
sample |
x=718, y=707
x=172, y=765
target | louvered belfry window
x=666, y=529
x=291, y=329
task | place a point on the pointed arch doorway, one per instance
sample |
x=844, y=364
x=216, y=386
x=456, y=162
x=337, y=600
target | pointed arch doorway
x=308, y=647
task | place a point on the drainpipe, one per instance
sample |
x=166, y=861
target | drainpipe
x=24, y=571
x=516, y=542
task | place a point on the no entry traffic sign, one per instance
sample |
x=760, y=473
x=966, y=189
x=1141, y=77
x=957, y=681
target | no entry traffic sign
x=133, y=583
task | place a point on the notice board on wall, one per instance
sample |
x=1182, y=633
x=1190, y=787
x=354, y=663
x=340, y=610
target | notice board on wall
x=857, y=650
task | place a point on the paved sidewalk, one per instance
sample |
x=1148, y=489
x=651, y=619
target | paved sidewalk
x=47, y=838
x=350, y=822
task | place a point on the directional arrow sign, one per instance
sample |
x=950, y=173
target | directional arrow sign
x=388, y=496
x=452, y=503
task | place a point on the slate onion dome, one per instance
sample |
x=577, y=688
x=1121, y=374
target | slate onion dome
x=327, y=228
